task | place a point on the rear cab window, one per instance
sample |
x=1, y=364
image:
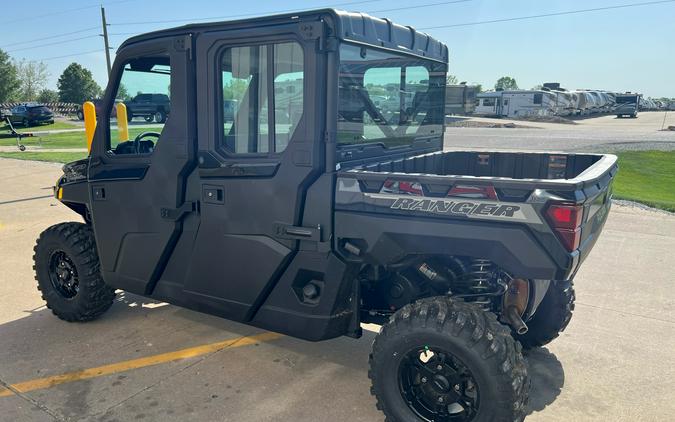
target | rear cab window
x=262, y=97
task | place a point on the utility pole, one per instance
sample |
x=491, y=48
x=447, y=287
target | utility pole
x=105, y=39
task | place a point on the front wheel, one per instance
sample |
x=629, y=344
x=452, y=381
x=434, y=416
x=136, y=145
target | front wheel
x=68, y=275
x=444, y=360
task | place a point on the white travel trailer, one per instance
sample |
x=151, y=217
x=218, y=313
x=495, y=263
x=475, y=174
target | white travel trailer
x=566, y=103
x=586, y=103
x=519, y=103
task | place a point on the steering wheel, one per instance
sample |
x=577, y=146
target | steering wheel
x=137, y=139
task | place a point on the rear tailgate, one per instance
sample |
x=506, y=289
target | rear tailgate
x=500, y=200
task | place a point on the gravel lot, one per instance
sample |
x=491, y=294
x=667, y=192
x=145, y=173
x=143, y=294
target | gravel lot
x=598, y=134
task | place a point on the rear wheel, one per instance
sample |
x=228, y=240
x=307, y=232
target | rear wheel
x=67, y=271
x=148, y=119
x=442, y=360
x=160, y=116
x=552, y=316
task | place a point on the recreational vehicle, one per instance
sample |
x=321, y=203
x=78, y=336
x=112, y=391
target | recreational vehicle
x=519, y=103
x=460, y=99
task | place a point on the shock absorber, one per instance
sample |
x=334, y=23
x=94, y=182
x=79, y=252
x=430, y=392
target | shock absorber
x=480, y=282
x=480, y=274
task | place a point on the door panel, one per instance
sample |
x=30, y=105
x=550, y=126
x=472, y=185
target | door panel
x=261, y=175
x=134, y=191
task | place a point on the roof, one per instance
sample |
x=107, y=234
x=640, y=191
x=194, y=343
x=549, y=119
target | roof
x=350, y=26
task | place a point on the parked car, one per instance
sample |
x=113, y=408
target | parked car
x=30, y=114
x=150, y=106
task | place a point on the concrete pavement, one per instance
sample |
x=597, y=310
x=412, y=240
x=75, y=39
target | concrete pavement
x=614, y=362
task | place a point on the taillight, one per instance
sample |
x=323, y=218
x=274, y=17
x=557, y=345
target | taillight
x=566, y=222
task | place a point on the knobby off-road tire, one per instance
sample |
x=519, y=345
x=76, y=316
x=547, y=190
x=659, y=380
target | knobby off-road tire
x=67, y=271
x=473, y=339
x=552, y=316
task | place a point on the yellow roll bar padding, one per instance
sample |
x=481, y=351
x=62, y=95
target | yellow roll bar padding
x=89, y=112
x=122, y=122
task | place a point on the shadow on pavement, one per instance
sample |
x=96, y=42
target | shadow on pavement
x=31, y=343
x=548, y=378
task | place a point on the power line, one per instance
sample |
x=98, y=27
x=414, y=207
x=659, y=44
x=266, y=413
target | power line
x=71, y=55
x=545, y=15
x=270, y=12
x=418, y=6
x=79, y=31
x=60, y=12
x=53, y=43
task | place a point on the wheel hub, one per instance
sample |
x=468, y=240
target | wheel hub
x=437, y=386
x=63, y=274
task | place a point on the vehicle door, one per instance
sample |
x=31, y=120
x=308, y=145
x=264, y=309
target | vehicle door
x=18, y=113
x=137, y=185
x=256, y=161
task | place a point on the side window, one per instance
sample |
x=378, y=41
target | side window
x=538, y=98
x=263, y=96
x=145, y=89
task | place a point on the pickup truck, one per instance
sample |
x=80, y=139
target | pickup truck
x=314, y=206
x=149, y=106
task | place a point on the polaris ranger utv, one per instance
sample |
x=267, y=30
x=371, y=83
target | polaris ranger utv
x=322, y=200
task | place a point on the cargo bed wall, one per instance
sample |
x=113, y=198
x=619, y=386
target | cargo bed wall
x=491, y=164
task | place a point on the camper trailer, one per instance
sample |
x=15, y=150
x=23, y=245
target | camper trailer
x=519, y=103
x=460, y=99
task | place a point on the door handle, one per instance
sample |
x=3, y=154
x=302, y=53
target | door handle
x=213, y=194
x=287, y=231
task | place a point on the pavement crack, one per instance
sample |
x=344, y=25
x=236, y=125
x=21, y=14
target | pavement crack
x=32, y=401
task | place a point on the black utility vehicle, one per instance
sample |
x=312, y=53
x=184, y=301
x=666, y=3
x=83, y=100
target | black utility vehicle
x=310, y=209
x=149, y=106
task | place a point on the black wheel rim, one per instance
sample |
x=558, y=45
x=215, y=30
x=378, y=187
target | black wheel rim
x=63, y=274
x=437, y=386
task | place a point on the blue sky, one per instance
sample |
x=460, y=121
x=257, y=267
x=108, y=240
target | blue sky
x=622, y=49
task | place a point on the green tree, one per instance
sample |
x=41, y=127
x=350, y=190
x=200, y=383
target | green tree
x=33, y=76
x=451, y=80
x=235, y=89
x=9, y=79
x=122, y=93
x=48, y=96
x=506, y=83
x=76, y=85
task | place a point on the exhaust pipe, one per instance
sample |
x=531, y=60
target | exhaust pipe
x=513, y=318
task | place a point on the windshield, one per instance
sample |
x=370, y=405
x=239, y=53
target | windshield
x=387, y=98
x=626, y=99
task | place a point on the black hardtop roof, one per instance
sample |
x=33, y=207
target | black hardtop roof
x=349, y=26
